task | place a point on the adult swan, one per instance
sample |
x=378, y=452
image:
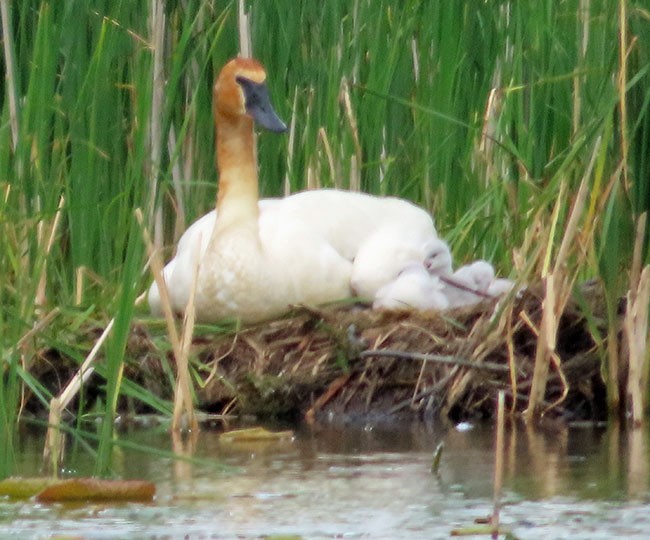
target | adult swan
x=249, y=268
x=256, y=258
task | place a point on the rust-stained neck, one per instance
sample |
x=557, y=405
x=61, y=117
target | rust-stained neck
x=238, y=192
x=237, y=165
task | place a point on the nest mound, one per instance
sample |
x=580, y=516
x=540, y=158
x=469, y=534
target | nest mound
x=351, y=362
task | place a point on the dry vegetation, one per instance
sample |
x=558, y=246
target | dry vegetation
x=352, y=363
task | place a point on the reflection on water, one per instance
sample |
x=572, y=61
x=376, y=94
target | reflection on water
x=343, y=482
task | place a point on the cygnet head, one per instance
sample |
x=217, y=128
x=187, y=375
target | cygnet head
x=469, y=284
x=500, y=286
x=437, y=257
x=478, y=275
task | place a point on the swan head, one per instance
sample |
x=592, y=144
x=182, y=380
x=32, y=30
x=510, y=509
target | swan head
x=241, y=91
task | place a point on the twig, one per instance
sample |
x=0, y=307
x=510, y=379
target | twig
x=40, y=297
x=156, y=266
x=243, y=24
x=184, y=417
x=332, y=390
x=323, y=139
x=557, y=363
x=511, y=359
x=21, y=344
x=155, y=123
x=635, y=325
x=38, y=327
x=498, y=463
x=435, y=389
x=436, y=358
x=177, y=345
x=177, y=182
x=85, y=370
x=53, y=449
x=437, y=456
x=357, y=158
x=449, y=280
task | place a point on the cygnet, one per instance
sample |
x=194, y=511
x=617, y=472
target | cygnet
x=413, y=288
x=500, y=286
x=469, y=284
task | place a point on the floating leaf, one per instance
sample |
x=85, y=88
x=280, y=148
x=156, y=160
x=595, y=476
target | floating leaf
x=23, y=488
x=483, y=530
x=255, y=434
x=94, y=489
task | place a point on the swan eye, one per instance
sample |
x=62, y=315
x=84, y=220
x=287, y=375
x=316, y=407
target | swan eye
x=258, y=105
x=253, y=92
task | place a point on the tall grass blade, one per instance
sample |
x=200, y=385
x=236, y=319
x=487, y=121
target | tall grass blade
x=116, y=344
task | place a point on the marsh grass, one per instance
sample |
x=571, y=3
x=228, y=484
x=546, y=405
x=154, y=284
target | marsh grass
x=486, y=113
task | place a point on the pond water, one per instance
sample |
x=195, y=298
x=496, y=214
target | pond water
x=362, y=482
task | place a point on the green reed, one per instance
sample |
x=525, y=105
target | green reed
x=483, y=112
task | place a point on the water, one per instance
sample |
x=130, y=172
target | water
x=372, y=482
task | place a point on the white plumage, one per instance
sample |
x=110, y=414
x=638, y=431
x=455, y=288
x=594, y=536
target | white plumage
x=376, y=236
x=413, y=288
x=253, y=259
x=500, y=286
x=250, y=266
x=437, y=258
x=469, y=284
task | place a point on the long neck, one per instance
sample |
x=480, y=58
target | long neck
x=238, y=193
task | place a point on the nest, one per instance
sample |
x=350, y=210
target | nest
x=354, y=363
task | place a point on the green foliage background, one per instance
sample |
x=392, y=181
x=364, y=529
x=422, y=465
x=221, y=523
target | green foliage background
x=486, y=113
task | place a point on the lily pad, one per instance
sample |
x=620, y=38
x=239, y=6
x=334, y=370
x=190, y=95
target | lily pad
x=255, y=434
x=23, y=488
x=94, y=489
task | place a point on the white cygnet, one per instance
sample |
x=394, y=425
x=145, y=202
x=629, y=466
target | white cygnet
x=413, y=288
x=469, y=284
x=500, y=286
x=437, y=258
